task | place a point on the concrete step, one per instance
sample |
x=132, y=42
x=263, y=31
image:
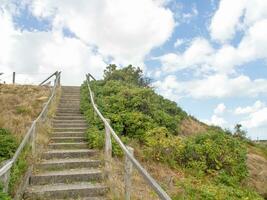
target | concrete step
x=59, y=114
x=73, y=163
x=72, y=153
x=74, y=109
x=67, y=121
x=68, y=145
x=69, y=107
x=71, y=96
x=69, y=111
x=65, y=191
x=69, y=117
x=70, y=125
x=87, y=198
x=68, y=99
x=68, y=134
x=67, y=139
x=70, y=129
x=66, y=176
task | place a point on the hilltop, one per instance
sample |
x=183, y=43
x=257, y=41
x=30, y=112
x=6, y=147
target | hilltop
x=206, y=162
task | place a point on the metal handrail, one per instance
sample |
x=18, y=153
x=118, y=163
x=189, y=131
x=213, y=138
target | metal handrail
x=150, y=180
x=5, y=169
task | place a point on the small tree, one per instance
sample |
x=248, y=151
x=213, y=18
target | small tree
x=239, y=132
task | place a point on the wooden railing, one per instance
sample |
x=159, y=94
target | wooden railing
x=129, y=158
x=30, y=137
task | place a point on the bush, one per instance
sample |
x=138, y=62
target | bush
x=213, y=152
x=96, y=139
x=162, y=146
x=8, y=144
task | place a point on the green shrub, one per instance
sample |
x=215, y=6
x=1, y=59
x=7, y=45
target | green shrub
x=162, y=146
x=213, y=152
x=96, y=139
x=8, y=144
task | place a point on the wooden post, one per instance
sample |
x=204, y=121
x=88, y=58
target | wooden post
x=33, y=140
x=13, y=80
x=128, y=174
x=108, y=150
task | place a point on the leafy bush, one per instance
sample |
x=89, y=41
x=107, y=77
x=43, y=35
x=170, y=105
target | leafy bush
x=215, y=151
x=8, y=144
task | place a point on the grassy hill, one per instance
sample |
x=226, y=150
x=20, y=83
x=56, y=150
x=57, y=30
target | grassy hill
x=211, y=162
x=19, y=106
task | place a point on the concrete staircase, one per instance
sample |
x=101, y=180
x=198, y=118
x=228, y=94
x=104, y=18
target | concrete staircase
x=68, y=169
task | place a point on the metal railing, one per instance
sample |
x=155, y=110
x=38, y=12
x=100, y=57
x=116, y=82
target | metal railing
x=30, y=136
x=130, y=160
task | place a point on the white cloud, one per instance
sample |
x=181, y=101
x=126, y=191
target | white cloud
x=233, y=16
x=256, y=119
x=213, y=86
x=220, y=109
x=39, y=52
x=198, y=53
x=225, y=21
x=249, y=109
x=217, y=121
x=124, y=29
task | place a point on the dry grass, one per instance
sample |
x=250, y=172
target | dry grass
x=20, y=105
x=163, y=174
x=190, y=126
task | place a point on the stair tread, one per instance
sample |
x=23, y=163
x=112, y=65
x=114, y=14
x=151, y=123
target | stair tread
x=65, y=186
x=70, y=150
x=68, y=172
x=59, y=137
x=69, y=160
x=70, y=143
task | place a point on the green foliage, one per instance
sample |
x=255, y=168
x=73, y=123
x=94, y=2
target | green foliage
x=8, y=144
x=128, y=74
x=3, y=195
x=215, y=151
x=18, y=170
x=207, y=190
x=138, y=113
x=162, y=146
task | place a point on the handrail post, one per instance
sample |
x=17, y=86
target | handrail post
x=5, y=180
x=33, y=140
x=128, y=173
x=108, y=150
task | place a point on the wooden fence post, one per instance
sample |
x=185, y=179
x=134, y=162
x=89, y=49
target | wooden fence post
x=13, y=79
x=128, y=174
x=108, y=150
x=33, y=140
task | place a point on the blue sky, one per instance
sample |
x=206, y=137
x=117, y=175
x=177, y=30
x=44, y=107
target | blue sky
x=208, y=56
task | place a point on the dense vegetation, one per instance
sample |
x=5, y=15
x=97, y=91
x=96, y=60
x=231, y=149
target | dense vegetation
x=216, y=158
x=8, y=144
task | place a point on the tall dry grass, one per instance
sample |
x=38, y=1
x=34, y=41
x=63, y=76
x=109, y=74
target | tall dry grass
x=20, y=105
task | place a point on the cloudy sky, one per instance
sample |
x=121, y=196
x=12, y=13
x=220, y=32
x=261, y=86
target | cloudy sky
x=209, y=56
